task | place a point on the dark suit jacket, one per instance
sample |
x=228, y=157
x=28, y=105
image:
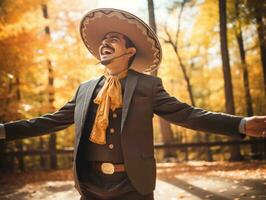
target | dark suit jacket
x=144, y=95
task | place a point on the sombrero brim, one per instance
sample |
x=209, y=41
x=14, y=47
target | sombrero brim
x=97, y=23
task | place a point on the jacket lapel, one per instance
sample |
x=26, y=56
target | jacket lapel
x=86, y=103
x=130, y=86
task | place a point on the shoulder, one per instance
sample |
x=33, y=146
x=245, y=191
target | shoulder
x=91, y=81
x=145, y=77
x=83, y=86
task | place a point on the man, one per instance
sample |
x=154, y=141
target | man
x=113, y=150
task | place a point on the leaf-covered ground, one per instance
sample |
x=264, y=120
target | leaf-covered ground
x=189, y=181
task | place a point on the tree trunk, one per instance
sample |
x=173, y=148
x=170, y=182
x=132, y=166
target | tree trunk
x=52, y=139
x=42, y=161
x=248, y=99
x=152, y=21
x=249, y=110
x=262, y=43
x=19, y=143
x=165, y=127
x=6, y=162
x=207, y=135
x=242, y=53
x=230, y=108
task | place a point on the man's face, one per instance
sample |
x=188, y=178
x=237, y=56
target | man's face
x=113, y=45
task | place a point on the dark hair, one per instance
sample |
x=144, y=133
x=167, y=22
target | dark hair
x=130, y=44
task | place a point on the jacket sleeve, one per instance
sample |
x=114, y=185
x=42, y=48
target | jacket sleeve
x=182, y=114
x=44, y=124
x=2, y=132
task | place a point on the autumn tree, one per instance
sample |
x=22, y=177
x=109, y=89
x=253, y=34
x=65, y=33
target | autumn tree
x=165, y=127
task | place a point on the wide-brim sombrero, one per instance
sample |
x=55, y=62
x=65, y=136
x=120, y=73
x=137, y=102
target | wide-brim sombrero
x=97, y=23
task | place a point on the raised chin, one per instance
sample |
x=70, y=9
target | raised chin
x=106, y=59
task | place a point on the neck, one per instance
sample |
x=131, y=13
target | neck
x=114, y=70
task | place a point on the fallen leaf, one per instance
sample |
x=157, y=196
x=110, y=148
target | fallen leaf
x=247, y=188
x=190, y=187
x=222, y=190
x=208, y=196
x=243, y=194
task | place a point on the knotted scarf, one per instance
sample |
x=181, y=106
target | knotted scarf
x=109, y=97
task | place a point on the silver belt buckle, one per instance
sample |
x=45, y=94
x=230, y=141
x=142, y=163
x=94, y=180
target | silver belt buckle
x=107, y=168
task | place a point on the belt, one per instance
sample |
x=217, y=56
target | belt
x=108, y=168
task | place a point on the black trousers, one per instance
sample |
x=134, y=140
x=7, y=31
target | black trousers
x=127, y=196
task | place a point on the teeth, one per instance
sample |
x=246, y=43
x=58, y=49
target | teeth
x=106, y=51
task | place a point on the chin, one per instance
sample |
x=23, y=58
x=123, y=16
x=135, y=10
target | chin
x=107, y=57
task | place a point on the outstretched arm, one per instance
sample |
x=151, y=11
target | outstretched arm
x=182, y=114
x=44, y=124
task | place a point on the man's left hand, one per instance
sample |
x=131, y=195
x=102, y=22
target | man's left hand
x=256, y=126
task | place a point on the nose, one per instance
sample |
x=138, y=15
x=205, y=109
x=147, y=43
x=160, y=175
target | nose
x=105, y=41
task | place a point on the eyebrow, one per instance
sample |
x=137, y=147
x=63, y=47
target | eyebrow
x=113, y=36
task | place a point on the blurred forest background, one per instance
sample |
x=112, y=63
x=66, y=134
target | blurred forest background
x=214, y=57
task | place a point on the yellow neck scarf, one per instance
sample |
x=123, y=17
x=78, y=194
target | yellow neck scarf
x=109, y=97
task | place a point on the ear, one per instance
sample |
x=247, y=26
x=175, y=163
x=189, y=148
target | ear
x=131, y=51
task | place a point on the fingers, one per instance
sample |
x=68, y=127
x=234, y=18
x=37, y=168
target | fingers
x=260, y=126
x=257, y=122
x=257, y=133
x=256, y=126
x=260, y=118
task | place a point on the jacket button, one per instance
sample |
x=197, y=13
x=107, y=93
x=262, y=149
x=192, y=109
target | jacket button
x=114, y=115
x=112, y=130
x=111, y=146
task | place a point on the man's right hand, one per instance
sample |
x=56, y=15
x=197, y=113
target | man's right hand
x=256, y=126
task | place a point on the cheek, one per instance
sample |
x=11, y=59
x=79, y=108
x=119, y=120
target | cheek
x=119, y=48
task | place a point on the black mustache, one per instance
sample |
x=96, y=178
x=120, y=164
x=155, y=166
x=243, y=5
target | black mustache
x=107, y=46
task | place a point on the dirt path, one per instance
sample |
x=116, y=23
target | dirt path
x=189, y=181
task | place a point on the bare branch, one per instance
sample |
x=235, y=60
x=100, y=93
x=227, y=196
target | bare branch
x=169, y=39
x=179, y=22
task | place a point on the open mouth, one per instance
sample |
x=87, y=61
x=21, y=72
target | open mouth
x=107, y=50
